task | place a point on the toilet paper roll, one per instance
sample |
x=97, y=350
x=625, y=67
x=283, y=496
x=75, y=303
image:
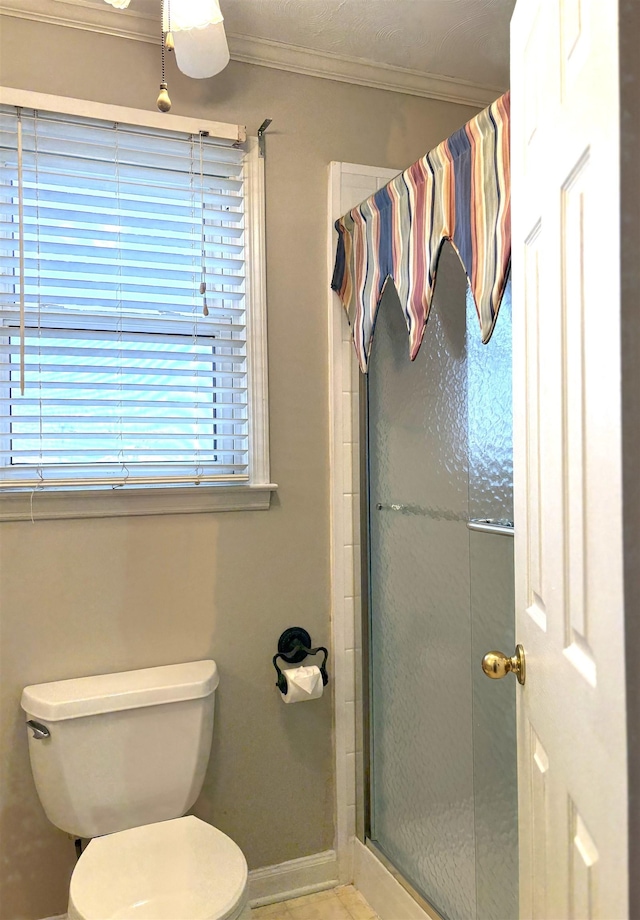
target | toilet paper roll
x=303, y=684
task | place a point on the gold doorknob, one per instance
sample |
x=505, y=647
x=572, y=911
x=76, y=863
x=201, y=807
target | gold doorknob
x=496, y=665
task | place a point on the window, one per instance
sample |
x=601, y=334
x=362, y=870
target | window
x=130, y=284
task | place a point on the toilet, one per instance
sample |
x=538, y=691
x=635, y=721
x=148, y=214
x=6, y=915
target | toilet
x=120, y=758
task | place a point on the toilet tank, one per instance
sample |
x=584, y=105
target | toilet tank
x=123, y=749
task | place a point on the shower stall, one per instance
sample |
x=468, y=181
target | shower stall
x=438, y=803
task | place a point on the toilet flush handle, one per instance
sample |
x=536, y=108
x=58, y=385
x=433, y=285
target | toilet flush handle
x=39, y=730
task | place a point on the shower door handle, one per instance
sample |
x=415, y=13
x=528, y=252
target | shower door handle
x=496, y=665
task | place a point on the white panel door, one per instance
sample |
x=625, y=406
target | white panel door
x=567, y=463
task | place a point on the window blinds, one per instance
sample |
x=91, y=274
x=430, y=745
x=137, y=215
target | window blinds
x=123, y=346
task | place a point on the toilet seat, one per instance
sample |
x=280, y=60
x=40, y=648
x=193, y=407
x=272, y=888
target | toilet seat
x=182, y=869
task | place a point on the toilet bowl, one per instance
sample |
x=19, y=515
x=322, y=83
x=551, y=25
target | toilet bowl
x=173, y=870
x=120, y=758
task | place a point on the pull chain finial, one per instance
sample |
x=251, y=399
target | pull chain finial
x=168, y=39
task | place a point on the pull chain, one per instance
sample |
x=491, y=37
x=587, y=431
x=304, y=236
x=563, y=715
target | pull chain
x=163, y=102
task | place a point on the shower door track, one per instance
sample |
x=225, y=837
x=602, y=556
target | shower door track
x=363, y=821
x=380, y=855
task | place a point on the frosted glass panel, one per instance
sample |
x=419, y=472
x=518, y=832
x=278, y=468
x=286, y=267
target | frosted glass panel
x=490, y=416
x=492, y=616
x=432, y=782
x=422, y=807
x=494, y=739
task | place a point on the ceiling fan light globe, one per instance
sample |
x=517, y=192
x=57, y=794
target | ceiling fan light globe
x=201, y=53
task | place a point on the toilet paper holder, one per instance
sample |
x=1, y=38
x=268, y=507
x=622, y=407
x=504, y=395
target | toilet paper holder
x=293, y=647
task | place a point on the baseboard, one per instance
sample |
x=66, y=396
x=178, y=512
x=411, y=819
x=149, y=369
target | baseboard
x=293, y=879
x=287, y=880
x=381, y=890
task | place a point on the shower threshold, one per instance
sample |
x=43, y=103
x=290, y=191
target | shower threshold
x=419, y=898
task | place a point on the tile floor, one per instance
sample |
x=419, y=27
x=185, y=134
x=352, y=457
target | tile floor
x=343, y=903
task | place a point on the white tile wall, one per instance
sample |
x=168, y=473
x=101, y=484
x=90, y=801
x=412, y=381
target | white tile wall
x=349, y=185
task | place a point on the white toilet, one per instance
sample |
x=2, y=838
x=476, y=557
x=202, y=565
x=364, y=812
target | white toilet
x=120, y=758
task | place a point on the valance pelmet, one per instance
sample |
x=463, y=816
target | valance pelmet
x=460, y=192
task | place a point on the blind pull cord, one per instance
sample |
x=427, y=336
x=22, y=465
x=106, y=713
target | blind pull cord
x=203, y=245
x=21, y=250
x=203, y=292
x=124, y=469
x=36, y=154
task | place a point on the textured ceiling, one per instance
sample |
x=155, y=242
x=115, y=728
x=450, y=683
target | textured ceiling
x=464, y=39
x=467, y=39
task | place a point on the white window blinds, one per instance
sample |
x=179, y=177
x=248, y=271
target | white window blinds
x=123, y=346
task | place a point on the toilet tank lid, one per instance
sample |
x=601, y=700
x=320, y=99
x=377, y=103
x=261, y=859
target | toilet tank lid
x=89, y=696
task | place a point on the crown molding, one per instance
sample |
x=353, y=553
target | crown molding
x=87, y=16
x=330, y=66
x=77, y=14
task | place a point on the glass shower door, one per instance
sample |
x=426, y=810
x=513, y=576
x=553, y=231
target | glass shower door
x=492, y=615
x=438, y=593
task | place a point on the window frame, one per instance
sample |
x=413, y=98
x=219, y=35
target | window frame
x=254, y=494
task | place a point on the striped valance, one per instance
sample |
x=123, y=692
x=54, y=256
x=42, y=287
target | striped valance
x=459, y=192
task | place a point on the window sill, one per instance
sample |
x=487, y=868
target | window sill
x=46, y=506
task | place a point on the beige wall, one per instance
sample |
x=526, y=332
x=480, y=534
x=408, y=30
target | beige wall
x=84, y=597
